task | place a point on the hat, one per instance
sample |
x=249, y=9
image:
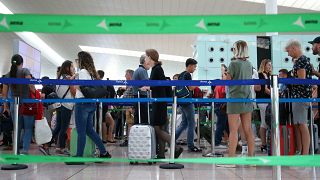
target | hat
x=316, y=40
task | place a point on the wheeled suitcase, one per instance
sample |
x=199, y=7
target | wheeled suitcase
x=89, y=150
x=142, y=140
x=287, y=136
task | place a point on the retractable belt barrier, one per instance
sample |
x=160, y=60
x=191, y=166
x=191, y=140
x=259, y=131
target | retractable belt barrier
x=157, y=82
x=307, y=161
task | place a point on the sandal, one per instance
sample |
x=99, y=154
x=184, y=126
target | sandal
x=194, y=149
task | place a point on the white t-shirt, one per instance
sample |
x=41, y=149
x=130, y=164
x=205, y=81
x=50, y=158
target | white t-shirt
x=61, y=90
x=83, y=75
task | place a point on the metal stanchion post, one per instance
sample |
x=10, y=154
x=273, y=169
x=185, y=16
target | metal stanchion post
x=213, y=131
x=139, y=110
x=198, y=127
x=171, y=164
x=275, y=125
x=100, y=120
x=312, y=140
x=15, y=138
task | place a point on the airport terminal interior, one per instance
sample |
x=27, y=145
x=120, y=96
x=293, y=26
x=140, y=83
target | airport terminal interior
x=173, y=41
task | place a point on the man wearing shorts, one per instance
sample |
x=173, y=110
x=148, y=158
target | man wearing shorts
x=302, y=69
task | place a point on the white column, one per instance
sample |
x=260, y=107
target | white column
x=271, y=8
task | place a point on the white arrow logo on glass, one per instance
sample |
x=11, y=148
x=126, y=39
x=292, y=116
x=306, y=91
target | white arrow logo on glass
x=299, y=22
x=4, y=23
x=202, y=25
x=103, y=25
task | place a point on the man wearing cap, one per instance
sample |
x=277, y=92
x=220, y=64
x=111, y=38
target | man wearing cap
x=316, y=51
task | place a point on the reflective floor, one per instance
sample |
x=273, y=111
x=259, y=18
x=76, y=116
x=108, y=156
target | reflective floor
x=117, y=171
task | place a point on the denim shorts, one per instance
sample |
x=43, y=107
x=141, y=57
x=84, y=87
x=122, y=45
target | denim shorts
x=300, y=112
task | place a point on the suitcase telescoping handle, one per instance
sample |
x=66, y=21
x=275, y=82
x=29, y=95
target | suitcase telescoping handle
x=148, y=104
x=148, y=107
x=139, y=113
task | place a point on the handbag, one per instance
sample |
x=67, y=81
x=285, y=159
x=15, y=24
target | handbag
x=55, y=96
x=94, y=91
x=29, y=109
x=182, y=91
x=43, y=133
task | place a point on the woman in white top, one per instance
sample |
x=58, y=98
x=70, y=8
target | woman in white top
x=84, y=112
x=64, y=112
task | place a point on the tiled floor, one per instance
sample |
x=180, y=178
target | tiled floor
x=119, y=171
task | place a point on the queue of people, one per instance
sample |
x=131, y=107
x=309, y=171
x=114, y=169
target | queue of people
x=231, y=117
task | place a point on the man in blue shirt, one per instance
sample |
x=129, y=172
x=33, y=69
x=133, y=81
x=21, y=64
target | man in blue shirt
x=188, y=121
x=141, y=73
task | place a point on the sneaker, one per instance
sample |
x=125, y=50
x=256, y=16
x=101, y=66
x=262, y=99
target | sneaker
x=107, y=155
x=124, y=144
x=220, y=146
x=66, y=152
x=298, y=153
x=62, y=152
x=244, y=151
x=44, y=151
x=74, y=163
x=178, y=152
x=23, y=153
x=257, y=139
x=194, y=149
x=226, y=165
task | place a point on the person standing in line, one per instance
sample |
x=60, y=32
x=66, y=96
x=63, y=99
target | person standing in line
x=141, y=74
x=302, y=69
x=316, y=51
x=84, y=112
x=264, y=92
x=128, y=112
x=23, y=91
x=240, y=113
x=188, y=120
x=220, y=111
x=108, y=123
x=64, y=112
x=159, y=109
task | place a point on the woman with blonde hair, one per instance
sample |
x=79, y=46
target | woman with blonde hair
x=263, y=92
x=240, y=113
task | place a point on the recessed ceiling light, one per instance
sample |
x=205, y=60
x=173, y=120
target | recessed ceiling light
x=300, y=4
x=123, y=52
x=36, y=42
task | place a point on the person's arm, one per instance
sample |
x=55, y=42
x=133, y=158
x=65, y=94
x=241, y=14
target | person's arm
x=5, y=89
x=73, y=89
x=230, y=72
x=257, y=88
x=144, y=76
x=301, y=73
x=187, y=76
x=314, y=72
